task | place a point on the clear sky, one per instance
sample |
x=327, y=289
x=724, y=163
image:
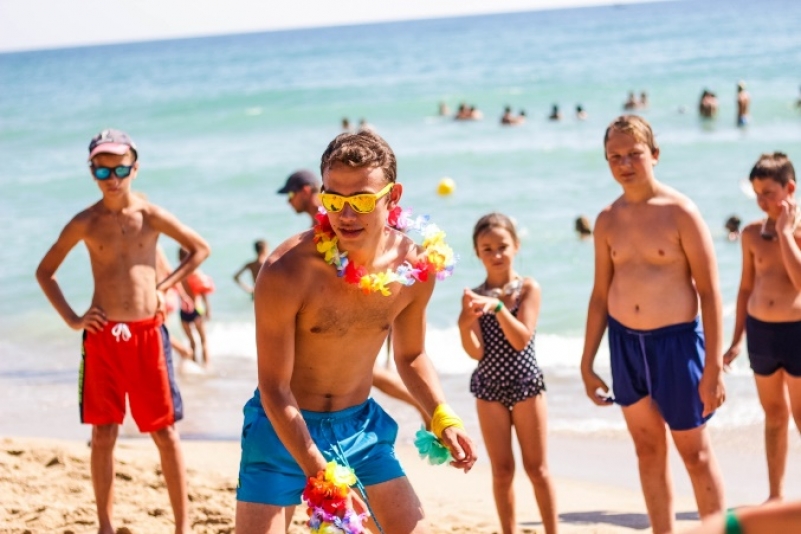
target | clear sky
x=36, y=24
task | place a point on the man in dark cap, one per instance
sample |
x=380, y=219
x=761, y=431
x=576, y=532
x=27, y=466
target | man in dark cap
x=302, y=189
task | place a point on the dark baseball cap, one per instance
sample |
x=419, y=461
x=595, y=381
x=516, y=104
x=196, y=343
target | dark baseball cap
x=112, y=141
x=298, y=180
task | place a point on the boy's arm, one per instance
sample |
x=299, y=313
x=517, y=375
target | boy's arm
x=415, y=368
x=597, y=312
x=275, y=348
x=788, y=244
x=196, y=246
x=94, y=319
x=743, y=295
x=696, y=242
x=240, y=283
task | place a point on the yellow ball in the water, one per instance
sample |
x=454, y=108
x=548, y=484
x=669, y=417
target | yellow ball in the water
x=446, y=186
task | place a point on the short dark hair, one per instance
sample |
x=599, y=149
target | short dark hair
x=364, y=148
x=776, y=166
x=583, y=226
x=260, y=245
x=494, y=220
x=733, y=223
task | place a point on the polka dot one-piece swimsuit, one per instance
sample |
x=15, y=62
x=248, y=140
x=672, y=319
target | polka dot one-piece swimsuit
x=504, y=374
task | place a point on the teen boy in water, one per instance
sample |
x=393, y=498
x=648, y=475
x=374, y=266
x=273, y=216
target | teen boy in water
x=126, y=350
x=769, y=308
x=653, y=261
x=316, y=352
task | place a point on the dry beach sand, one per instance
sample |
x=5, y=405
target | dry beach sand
x=45, y=487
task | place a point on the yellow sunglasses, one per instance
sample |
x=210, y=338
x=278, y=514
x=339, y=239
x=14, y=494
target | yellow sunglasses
x=361, y=202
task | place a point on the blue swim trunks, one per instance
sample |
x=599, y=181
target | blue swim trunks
x=666, y=364
x=773, y=346
x=364, y=435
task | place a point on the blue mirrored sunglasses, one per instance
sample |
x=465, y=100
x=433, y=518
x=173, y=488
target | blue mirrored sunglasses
x=104, y=173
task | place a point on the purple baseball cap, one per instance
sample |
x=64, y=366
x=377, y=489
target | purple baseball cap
x=112, y=141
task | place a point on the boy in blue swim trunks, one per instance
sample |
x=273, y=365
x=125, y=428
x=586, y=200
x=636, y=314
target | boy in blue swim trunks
x=317, y=337
x=654, y=261
x=769, y=308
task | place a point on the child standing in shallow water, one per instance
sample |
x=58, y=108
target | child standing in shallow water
x=497, y=326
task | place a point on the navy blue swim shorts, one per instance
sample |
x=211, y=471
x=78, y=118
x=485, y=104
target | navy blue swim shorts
x=363, y=436
x=773, y=346
x=666, y=364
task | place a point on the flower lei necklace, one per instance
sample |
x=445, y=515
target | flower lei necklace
x=438, y=258
x=326, y=496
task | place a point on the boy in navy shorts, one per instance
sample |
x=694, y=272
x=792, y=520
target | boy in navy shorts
x=654, y=262
x=769, y=308
x=126, y=349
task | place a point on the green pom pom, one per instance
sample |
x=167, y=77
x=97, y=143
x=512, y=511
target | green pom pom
x=430, y=448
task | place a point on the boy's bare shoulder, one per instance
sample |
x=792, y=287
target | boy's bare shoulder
x=751, y=230
x=606, y=215
x=676, y=199
x=292, y=253
x=150, y=210
x=87, y=217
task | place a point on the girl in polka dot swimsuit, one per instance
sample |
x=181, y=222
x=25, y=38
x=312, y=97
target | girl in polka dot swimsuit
x=496, y=326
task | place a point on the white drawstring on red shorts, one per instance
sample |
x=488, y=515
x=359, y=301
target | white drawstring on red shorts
x=121, y=330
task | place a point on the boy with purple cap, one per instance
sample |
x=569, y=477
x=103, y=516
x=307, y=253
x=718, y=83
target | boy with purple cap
x=126, y=348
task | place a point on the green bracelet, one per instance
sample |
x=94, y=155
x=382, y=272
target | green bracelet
x=499, y=307
x=733, y=525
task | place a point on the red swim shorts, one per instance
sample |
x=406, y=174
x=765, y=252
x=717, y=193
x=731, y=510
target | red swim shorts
x=131, y=358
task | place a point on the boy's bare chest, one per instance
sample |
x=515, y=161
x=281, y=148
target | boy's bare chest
x=767, y=257
x=340, y=311
x=116, y=236
x=644, y=244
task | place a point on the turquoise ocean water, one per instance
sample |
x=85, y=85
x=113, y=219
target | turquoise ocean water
x=220, y=122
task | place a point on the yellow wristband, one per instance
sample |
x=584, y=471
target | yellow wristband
x=444, y=417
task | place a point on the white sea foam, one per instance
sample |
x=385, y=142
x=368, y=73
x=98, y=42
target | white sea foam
x=560, y=353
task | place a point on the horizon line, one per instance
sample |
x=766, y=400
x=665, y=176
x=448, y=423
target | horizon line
x=581, y=4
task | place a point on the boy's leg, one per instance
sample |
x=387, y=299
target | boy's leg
x=254, y=518
x=530, y=420
x=695, y=449
x=188, y=331
x=794, y=389
x=773, y=397
x=180, y=348
x=396, y=507
x=200, y=326
x=104, y=437
x=495, y=420
x=172, y=465
x=649, y=432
